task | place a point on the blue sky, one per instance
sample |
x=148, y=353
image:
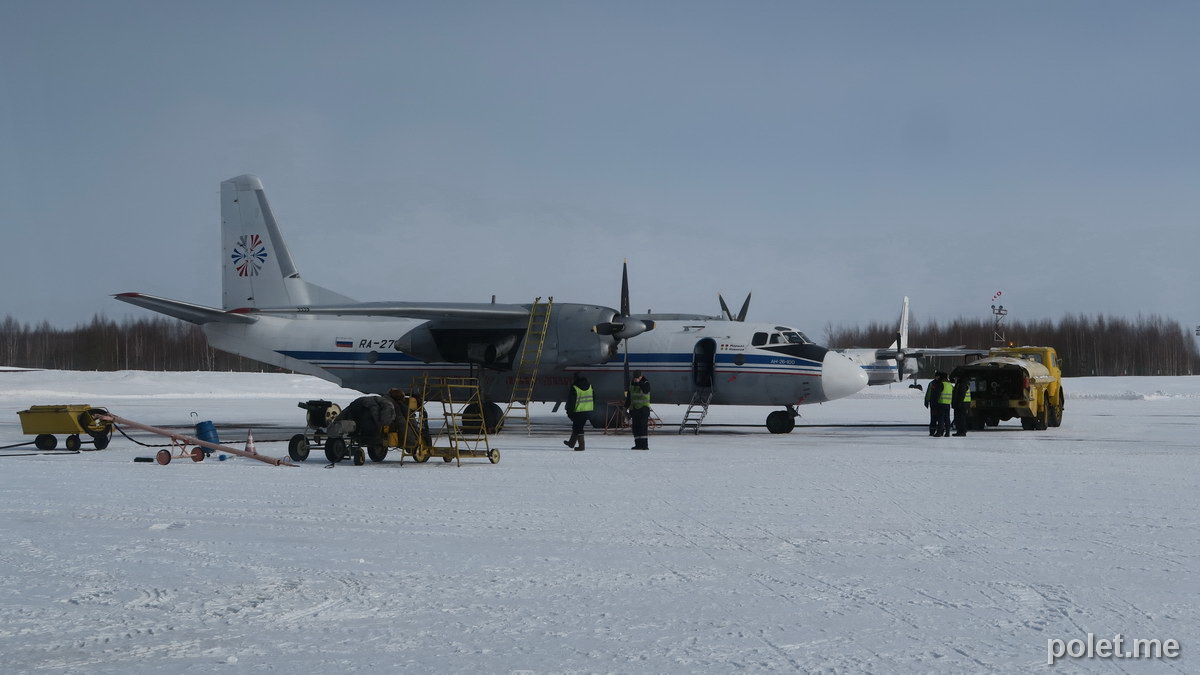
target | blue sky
x=830, y=157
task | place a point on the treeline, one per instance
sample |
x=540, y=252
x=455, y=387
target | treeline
x=1086, y=345
x=151, y=343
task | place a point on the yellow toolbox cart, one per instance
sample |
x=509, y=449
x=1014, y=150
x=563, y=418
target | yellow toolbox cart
x=73, y=420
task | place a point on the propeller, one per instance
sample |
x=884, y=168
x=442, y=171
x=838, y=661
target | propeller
x=741, y=315
x=624, y=327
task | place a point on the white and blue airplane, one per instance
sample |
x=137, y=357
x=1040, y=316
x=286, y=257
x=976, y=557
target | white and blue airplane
x=271, y=315
x=888, y=365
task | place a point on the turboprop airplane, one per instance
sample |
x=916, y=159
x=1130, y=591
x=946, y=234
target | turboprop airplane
x=271, y=315
x=891, y=364
x=899, y=360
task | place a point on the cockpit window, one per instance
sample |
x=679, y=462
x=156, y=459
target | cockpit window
x=774, y=338
x=796, y=337
x=759, y=339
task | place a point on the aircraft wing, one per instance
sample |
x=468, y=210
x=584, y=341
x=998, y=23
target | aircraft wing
x=408, y=310
x=197, y=314
x=925, y=352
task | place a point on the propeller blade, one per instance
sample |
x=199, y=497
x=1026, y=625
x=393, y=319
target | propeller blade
x=725, y=308
x=745, y=307
x=625, y=344
x=900, y=356
x=625, y=289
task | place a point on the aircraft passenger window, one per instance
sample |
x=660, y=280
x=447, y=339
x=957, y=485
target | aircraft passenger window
x=759, y=340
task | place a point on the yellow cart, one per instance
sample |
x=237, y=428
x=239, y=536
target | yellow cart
x=45, y=421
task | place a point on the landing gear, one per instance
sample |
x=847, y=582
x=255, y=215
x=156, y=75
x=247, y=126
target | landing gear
x=493, y=418
x=781, y=422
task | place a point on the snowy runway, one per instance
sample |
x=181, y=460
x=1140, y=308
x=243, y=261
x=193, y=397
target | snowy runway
x=832, y=548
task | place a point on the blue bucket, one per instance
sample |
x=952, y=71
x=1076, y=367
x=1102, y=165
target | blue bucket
x=207, y=432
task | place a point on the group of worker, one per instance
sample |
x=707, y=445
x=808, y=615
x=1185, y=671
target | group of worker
x=943, y=394
x=581, y=402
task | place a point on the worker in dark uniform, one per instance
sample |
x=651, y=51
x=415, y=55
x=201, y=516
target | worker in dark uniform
x=580, y=403
x=938, y=399
x=637, y=402
x=962, y=405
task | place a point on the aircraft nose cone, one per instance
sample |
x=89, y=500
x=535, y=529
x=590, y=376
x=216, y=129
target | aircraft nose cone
x=840, y=376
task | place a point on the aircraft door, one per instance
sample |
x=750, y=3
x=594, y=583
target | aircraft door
x=704, y=363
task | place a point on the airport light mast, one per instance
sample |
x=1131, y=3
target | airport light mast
x=999, y=313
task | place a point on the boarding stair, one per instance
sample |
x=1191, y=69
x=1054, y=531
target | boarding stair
x=696, y=411
x=526, y=371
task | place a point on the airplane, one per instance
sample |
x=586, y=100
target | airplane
x=900, y=360
x=891, y=364
x=270, y=314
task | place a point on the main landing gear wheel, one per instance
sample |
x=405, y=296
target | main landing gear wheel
x=377, y=453
x=45, y=442
x=492, y=419
x=298, y=448
x=780, y=422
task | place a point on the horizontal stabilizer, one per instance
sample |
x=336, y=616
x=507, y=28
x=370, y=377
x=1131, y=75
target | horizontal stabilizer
x=197, y=314
x=408, y=310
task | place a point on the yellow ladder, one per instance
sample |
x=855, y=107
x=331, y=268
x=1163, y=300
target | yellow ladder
x=464, y=431
x=526, y=371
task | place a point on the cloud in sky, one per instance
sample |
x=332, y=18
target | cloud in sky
x=829, y=157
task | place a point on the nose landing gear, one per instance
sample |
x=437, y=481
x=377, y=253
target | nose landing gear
x=782, y=421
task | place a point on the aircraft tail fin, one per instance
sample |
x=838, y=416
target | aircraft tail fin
x=902, y=331
x=256, y=267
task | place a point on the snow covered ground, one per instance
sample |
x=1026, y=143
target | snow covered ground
x=835, y=548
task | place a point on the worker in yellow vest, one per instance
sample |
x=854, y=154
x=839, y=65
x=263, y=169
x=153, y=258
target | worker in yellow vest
x=962, y=405
x=938, y=398
x=637, y=402
x=580, y=403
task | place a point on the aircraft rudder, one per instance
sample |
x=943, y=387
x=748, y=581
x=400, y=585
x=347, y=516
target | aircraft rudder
x=255, y=262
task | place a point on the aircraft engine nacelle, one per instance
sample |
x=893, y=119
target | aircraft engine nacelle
x=453, y=343
x=419, y=343
x=578, y=344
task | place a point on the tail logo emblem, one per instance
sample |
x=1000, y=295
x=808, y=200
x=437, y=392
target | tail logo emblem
x=249, y=255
